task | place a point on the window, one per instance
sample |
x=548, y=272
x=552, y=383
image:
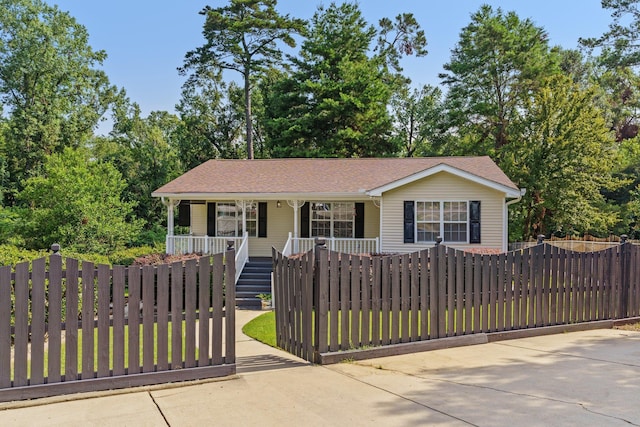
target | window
x=446, y=219
x=229, y=219
x=332, y=219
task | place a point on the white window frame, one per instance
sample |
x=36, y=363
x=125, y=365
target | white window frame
x=332, y=219
x=238, y=219
x=441, y=220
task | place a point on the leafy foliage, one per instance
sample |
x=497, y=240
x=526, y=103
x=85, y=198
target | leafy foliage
x=51, y=90
x=77, y=203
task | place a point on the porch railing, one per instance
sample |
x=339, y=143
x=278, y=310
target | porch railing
x=242, y=255
x=207, y=245
x=337, y=244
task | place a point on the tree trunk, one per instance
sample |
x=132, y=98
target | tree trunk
x=247, y=114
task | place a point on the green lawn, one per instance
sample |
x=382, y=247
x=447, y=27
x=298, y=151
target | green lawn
x=262, y=328
x=95, y=350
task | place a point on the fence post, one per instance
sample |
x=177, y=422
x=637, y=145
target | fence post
x=320, y=298
x=540, y=239
x=624, y=277
x=230, y=304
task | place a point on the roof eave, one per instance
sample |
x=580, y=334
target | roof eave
x=361, y=195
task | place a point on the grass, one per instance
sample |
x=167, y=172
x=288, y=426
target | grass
x=262, y=328
x=126, y=350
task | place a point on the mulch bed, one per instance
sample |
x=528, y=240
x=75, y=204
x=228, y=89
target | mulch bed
x=157, y=259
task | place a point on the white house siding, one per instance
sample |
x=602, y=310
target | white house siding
x=199, y=219
x=371, y=220
x=279, y=224
x=445, y=187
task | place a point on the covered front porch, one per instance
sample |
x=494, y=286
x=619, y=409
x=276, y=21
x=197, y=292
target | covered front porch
x=253, y=227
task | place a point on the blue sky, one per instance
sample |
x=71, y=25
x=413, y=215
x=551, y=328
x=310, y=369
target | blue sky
x=147, y=40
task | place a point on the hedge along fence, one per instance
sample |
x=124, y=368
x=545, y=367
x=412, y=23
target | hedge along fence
x=334, y=302
x=99, y=327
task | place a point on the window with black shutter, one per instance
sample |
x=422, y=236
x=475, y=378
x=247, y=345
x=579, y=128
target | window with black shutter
x=184, y=213
x=211, y=219
x=474, y=221
x=409, y=222
x=262, y=219
x=359, y=226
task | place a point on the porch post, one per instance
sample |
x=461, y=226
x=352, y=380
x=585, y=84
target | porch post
x=170, y=204
x=295, y=204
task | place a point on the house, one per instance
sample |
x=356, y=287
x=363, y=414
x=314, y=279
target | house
x=358, y=205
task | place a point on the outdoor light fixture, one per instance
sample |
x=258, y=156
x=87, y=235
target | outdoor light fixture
x=278, y=204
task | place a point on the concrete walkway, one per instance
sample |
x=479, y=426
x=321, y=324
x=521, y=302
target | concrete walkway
x=587, y=378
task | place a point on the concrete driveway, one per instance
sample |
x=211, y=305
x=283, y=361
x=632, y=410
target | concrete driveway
x=587, y=378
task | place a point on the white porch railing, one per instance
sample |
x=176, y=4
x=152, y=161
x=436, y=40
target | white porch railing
x=186, y=244
x=242, y=255
x=178, y=245
x=345, y=245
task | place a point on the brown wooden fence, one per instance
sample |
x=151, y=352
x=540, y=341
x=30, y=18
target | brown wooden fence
x=331, y=302
x=96, y=327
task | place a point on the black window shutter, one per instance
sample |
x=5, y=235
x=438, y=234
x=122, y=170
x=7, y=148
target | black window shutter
x=409, y=222
x=359, y=231
x=211, y=219
x=474, y=222
x=304, y=220
x=184, y=213
x=262, y=219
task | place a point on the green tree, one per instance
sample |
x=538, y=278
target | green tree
x=51, y=89
x=417, y=116
x=620, y=45
x=77, y=202
x=334, y=103
x=242, y=37
x=498, y=62
x=211, y=126
x=144, y=150
x=564, y=158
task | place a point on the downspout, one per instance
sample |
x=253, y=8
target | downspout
x=505, y=237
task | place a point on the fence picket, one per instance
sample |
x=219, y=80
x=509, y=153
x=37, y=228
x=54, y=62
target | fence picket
x=509, y=303
x=37, y=321
x=217, y=313
x=190, y=301
x=405, y=298
x=54, y=319
x=376, y=300
x=118, y=319
x=355, y=301
x=88, y=302
x=424, y=294
x=133, y=316
x=385, y=284
x=451, y=292
x=395, y=299
x=21, y=324
x=204, y=314
x=415, y=295
x=345, y=261
x=71, y=321
x=5, y=326
x=366, y=300
x=434, y=296
x=334, y=300
x=468, y=292
x=501, y=291
x=104, y=300
x=477, y=292
x=324, y=300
